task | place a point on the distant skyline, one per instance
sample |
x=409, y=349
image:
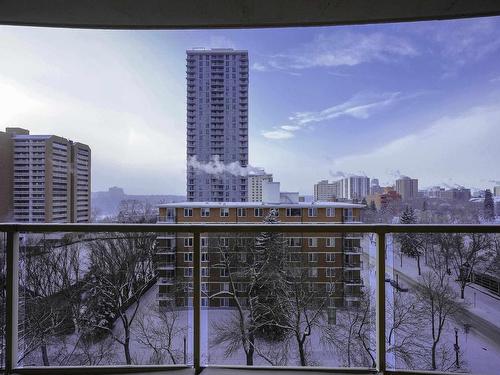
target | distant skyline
x=420, y=99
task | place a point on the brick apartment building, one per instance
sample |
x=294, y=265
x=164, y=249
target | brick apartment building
x=332, y=260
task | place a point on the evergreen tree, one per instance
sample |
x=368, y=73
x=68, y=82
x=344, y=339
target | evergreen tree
x=363, y=201
x=489, y=206
x=409, y=242
x=424, y=206
x=373, y=207
x=270, y=283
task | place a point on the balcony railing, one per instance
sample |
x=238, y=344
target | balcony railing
x=381, y=230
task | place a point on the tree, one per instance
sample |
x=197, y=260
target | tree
x=437, y=303
x=304, y=305
x=135, y=211
x=373, y=207
x=352, y=336
x=255, y=270
x=270, y=282
x=158, y=329
x=405, y=323
x=489, y=206
x=121, y=272
x=237, y=259
x=409, y=242
x=467, y=254
x=48, y=276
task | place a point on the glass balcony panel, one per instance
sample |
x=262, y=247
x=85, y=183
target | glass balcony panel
x=287, y=299
x=443, y=302
x=82, y=294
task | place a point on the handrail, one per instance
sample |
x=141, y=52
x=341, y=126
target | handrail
x=286, y=228
x=14, y=229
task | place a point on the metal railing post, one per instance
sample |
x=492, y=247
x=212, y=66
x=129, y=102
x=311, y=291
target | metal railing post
x=380, y=302
x=197, y=302
x=12, y=292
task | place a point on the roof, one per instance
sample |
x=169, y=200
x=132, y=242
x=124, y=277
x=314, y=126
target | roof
x=317, y=204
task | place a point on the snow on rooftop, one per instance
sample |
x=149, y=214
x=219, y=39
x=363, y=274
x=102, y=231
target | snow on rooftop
x=317, y=204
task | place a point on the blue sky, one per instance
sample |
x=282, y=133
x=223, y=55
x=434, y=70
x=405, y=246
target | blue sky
x=418, y=99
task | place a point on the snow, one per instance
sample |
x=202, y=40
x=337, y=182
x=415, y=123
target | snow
x=481, y=354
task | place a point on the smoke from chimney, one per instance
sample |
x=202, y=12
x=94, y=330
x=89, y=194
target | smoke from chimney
x=217, y=167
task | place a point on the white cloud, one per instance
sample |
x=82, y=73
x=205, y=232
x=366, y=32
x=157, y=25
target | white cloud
x=495, y=79
x=462, y=147
x=290, y=127
x=341, y=48
x=464, y=42
x=259, y=67
x=361, y=106
x=278, y=134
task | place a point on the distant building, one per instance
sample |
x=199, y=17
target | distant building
x=43, y=178
x=456, y=194
x=382, y=201
x=407, y=187
x=255, y=181
x=354, y=187
x=496, y=191
x=271, y=193
x=325, y=191
x=375, y=187
x=434, y=192
x=217, y=123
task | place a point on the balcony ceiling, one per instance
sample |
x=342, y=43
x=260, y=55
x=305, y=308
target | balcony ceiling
x=175, y=14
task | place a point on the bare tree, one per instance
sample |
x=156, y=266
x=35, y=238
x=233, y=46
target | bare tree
x=121, y=272
x=469, y=253
x=136, y=211
x=158, y=330
x=352, y=336
x=437, y=303
x=304, y=305
x=405, y=323
x=47, y=278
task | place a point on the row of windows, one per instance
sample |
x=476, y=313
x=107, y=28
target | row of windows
x=311, y=257
x=291, y=241
x=259, y=212
x=312, y=272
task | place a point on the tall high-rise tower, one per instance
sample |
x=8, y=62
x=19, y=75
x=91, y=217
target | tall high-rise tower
x=217, y=125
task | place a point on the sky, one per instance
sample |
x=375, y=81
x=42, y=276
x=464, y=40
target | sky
x=420, y=99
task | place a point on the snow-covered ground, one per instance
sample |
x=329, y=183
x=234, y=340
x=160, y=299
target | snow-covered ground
x=481, y=353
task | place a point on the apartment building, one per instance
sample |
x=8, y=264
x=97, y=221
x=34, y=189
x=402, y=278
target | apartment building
x=217, y=124
x=407, y=187
x=44, y=178
x=325, y=191
x=496, y=191
x=354, y=187
x=255, y=181
x=332, y=260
